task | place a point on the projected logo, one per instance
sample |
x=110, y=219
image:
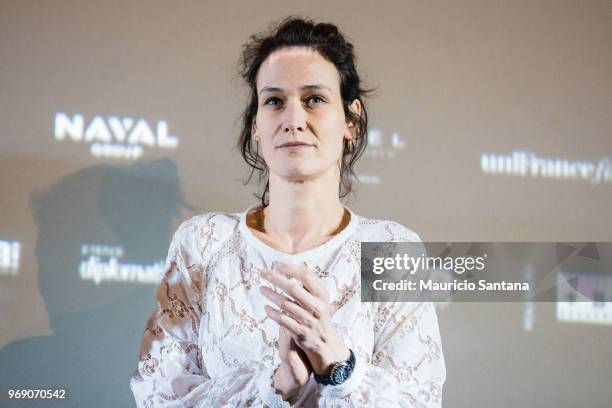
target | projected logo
x=9, y=257
x=528, y=164
x=101, y=263
x=114, y=137
x=383, y=147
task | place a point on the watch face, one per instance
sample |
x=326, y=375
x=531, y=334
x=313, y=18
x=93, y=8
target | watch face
x=341, y=373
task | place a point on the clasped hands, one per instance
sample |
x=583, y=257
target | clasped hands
x=307, y=339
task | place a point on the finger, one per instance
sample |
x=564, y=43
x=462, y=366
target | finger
x=294, y=289
x=291, y=308
x=304, y=317
x=308, y=277
x=293, y=327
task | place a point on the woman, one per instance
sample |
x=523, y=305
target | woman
x=262, y=308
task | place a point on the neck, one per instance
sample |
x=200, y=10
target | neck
x=305, y=213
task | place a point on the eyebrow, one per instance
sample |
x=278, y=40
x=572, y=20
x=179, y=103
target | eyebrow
x=303, y=88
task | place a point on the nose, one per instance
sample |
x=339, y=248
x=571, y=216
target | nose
x=294, y=119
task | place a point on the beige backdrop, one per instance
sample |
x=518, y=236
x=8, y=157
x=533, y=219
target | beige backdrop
x=455, y=79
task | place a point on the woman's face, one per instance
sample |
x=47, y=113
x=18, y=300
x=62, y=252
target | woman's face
x=300, y=120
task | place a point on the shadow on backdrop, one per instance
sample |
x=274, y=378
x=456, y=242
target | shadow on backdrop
x=96, y=327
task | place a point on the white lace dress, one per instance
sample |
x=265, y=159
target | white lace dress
x=209, y=343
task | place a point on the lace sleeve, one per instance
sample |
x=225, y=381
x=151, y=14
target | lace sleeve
x=407, y=363
x=170, y=369
x=407, y=366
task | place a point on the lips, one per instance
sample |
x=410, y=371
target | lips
x=293, y=144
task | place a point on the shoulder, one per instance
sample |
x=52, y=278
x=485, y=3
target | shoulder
x=204, y=233
x=374, y=230
x=214, y=222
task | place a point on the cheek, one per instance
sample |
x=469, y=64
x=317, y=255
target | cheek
x=263, y=125
x=331, y=135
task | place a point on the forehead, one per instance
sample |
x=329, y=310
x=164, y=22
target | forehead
x=293, y=67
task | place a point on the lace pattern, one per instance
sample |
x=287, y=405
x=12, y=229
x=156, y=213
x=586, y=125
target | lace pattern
x=210, y=343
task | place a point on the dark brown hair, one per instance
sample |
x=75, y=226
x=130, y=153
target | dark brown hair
x=326, y=39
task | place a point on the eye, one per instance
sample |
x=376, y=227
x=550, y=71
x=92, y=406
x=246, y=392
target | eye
x=272, y=99
x=315, y=98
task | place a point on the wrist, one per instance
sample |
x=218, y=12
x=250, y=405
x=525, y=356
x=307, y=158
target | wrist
x=284, y=384
x=326, y=362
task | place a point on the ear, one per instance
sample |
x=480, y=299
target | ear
x=351, y=128
x=254, y=131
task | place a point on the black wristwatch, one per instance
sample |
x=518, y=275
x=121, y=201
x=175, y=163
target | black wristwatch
x=339, y=373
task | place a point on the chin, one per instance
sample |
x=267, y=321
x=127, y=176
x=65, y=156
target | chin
x=296, y=173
